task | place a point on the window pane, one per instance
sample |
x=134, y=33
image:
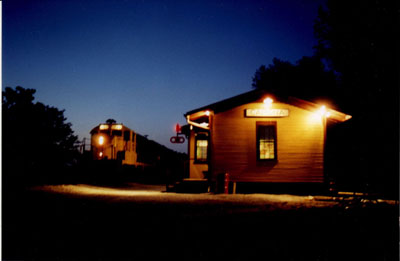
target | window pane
x=117, y=133
x=127, y=135
x=266, y=142
x=201, y=150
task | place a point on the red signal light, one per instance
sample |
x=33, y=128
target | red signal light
x=177, y=128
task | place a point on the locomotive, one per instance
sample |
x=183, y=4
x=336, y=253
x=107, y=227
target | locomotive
x=115, y=142
x=112, y=141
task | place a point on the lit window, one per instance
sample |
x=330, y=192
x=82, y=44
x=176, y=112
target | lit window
x=201, y=148
x=266, y=141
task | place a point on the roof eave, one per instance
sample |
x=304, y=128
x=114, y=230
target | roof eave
x=258, y=94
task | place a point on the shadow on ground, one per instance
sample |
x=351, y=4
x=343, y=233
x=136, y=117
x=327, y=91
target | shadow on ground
x=39, y=225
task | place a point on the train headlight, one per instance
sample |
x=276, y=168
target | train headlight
x=101, y=140
x=104, y=127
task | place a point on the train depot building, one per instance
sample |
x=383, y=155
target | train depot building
x=257, y=137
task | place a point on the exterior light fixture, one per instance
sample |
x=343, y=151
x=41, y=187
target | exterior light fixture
x=268, y=102
x=323, y=112
x=208, y=113
x=320, y=114
x=101, y=154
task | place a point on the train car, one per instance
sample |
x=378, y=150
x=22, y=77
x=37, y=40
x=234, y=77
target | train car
x=114, y=141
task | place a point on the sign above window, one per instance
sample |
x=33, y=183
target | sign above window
x=266, y=112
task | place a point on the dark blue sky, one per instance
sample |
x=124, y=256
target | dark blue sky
x=146, y=63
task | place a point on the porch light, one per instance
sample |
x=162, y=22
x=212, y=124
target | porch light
x=323, y=112
x=319, y=114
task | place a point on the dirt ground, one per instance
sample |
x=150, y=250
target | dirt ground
x=83, y=222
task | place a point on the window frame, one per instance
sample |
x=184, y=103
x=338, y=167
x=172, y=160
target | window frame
x=116, y=133
x=273, y=124
x=201, y=136
x=127, y=135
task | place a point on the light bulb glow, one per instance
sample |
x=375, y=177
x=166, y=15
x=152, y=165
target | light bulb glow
x=101, y=140
x=104, y=127
x=268, y=102
x=322, y=110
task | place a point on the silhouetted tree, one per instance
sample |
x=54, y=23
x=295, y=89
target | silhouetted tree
x=358, y=40
x=307, y=79
x=277, y=77
x=36, y=139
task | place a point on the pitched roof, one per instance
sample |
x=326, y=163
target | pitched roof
x=259, y=95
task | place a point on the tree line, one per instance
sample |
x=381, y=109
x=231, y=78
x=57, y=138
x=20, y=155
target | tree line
x=355, y=66
x=39, y=147
x=37, y=142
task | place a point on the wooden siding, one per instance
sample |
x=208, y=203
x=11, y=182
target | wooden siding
x=300, y=146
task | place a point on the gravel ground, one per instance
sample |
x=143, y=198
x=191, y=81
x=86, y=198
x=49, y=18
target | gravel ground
x=155, y=193
x=83, y=222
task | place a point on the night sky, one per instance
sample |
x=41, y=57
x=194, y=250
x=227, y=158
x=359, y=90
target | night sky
x=146, y=63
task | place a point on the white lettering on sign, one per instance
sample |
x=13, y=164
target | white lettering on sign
x=267, y=112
